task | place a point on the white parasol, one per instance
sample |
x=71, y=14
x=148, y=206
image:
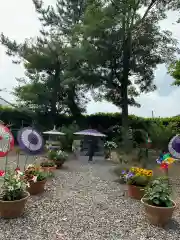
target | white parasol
x=90, y=132
x=54, y=132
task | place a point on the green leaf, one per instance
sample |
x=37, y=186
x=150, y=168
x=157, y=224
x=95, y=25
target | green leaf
x=156, y=201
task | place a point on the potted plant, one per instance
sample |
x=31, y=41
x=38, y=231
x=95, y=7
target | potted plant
x=13, y=196
x=159, y=206
x=59, y=157
x=36, y=178
x=137, y=179
x=48, y=166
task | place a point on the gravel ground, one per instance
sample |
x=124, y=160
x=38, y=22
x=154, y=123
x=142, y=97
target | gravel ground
x=84, y=202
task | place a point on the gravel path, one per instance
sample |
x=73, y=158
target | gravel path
x=83, y=202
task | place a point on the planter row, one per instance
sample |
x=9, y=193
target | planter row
x=13, y=209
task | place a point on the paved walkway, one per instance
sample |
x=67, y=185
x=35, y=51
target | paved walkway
x=83, y=202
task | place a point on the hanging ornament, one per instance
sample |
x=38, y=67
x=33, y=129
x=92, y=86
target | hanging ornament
x=6, y=140
x=30, y=140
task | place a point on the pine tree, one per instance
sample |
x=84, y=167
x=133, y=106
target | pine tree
x=124, y=42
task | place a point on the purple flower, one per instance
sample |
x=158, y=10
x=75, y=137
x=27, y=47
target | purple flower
x=130, y=174
x=123, y=172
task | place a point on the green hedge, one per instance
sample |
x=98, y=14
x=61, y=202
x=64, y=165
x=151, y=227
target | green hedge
x=101, y=121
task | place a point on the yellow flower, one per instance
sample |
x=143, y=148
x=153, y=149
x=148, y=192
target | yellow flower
x=141, y=171
x=149, y=174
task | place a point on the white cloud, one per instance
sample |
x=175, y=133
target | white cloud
x=20, y=22
x=163, y=106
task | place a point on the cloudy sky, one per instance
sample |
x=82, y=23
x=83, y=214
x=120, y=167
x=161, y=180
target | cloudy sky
x=20, y=22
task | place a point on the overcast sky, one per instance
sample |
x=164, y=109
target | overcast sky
x=18, y=21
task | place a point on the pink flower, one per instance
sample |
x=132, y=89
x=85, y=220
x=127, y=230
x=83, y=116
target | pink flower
x=2, y=173
x=34, y=178
x=18, y=171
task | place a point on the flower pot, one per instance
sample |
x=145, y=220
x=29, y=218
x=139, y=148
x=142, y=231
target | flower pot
x=13, y=209
x=36, y=187
x=158, y=216
x=135, y=192
x=49, y=169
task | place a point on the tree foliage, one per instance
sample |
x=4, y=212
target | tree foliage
x=52, y=67
x=174, y=71
x=123, y=42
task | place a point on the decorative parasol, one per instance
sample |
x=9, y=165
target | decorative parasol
x=30, y=140
x=54, y=132
x=90, y=132
x=6, y=140
x=174, y=146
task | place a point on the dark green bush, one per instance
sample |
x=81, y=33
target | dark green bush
x=104, y=122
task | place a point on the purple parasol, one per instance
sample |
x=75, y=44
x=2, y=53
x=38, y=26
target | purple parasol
x=90, y=132
x=30, y=141
x=174, y=146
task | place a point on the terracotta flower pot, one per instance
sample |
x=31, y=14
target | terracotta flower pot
x=158, y=216
x=135, y=192
x=13, y=209
x=49, y=169
x=36, y=187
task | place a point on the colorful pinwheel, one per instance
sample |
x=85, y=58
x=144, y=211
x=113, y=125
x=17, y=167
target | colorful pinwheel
x=6, y=140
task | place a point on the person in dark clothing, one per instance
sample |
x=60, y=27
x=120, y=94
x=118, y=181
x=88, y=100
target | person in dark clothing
x=92, y=146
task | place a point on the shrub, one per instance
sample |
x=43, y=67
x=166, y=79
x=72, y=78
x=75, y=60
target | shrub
x=69, y=137
x=161, y=134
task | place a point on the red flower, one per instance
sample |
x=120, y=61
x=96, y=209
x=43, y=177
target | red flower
x=164, y=165
x=17, y=169
x=2, y=173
